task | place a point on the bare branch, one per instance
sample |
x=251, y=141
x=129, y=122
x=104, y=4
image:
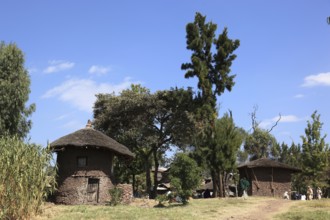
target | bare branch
x=255, y=123
x=278, y=120
x=253, y=114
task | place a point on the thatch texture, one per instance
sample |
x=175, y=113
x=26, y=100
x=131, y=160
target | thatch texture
x=264, y=162
x=88, y=137
x=85, y=166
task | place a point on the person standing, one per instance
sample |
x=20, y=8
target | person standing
x=244, y=184
x=309, y=193
x=207, y=194
x=318, y=193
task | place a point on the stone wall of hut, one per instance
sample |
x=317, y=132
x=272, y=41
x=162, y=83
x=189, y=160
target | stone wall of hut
x=127, y=193
x=267, y=181
x=88, y=184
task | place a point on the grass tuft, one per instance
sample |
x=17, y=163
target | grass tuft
x=233, y=208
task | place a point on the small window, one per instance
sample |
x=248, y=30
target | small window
x=82, y=161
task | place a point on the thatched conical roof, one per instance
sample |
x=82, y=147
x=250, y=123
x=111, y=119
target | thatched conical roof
x=88, y=137
x=264, y=162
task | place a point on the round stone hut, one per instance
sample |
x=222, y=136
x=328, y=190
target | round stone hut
x=267, y=177
x=85, y=166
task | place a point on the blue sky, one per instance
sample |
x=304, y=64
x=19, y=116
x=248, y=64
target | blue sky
x=75, y=49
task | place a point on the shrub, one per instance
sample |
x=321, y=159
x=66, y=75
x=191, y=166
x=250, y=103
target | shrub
x=116, y=196
x=185, y=176
x=161, y=200
x=24, y=182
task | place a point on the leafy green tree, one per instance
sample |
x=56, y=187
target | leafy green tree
x=260, y=143
x=211, y=68
x=124, y=117
x=284, y=153
x=147, y=123
x=221, y=155
x=211, y=59
x=315, y=153
x=14, y=92
x=294, y=158
x=185, y=176
x=242, y=156
x=290, y=155
x=173, y=123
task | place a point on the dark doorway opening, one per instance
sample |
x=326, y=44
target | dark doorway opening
x=93, y=190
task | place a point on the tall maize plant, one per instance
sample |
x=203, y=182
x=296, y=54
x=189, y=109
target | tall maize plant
x=24, y=179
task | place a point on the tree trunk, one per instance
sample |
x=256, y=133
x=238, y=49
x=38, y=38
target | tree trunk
x=154, y=191
x=225, y=184
x=214, y=183
x=217, y=184
x=134, y=185
x=148, y=178
x=220, y=185
x=227, y=178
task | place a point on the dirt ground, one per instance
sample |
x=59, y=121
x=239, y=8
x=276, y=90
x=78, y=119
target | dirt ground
x=251, y=209
x=265, y=210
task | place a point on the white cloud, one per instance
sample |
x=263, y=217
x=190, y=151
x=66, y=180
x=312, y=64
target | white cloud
x=62, y=117
x=284, y=119
x=265, y=123
x=299, y=96
x=287, y=118
x=321, y=79
x=73, y=125
x=80, y=93
x=58, y=65
x=99, y=70
x=32, y=70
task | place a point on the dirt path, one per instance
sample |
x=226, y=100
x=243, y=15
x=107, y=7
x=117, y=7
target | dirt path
x=264, y=211
x=224, y=209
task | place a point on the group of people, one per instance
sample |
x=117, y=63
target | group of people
x=310, y=193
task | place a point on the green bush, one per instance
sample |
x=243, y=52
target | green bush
x=24, y=182
x=185, y=176
x=161, y=200
x=116, y=196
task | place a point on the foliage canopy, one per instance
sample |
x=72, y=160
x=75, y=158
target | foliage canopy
x=221, y=154
x=315, y=154
x=210, y=62
x=146, y=123
x=14, y=92
x=185, y=176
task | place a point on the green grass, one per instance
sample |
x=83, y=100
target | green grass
x=205, y=208
x=196, y=209
x=308, y=210
x=24, y=179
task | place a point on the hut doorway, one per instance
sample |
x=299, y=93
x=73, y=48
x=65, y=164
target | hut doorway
x=93, y=190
